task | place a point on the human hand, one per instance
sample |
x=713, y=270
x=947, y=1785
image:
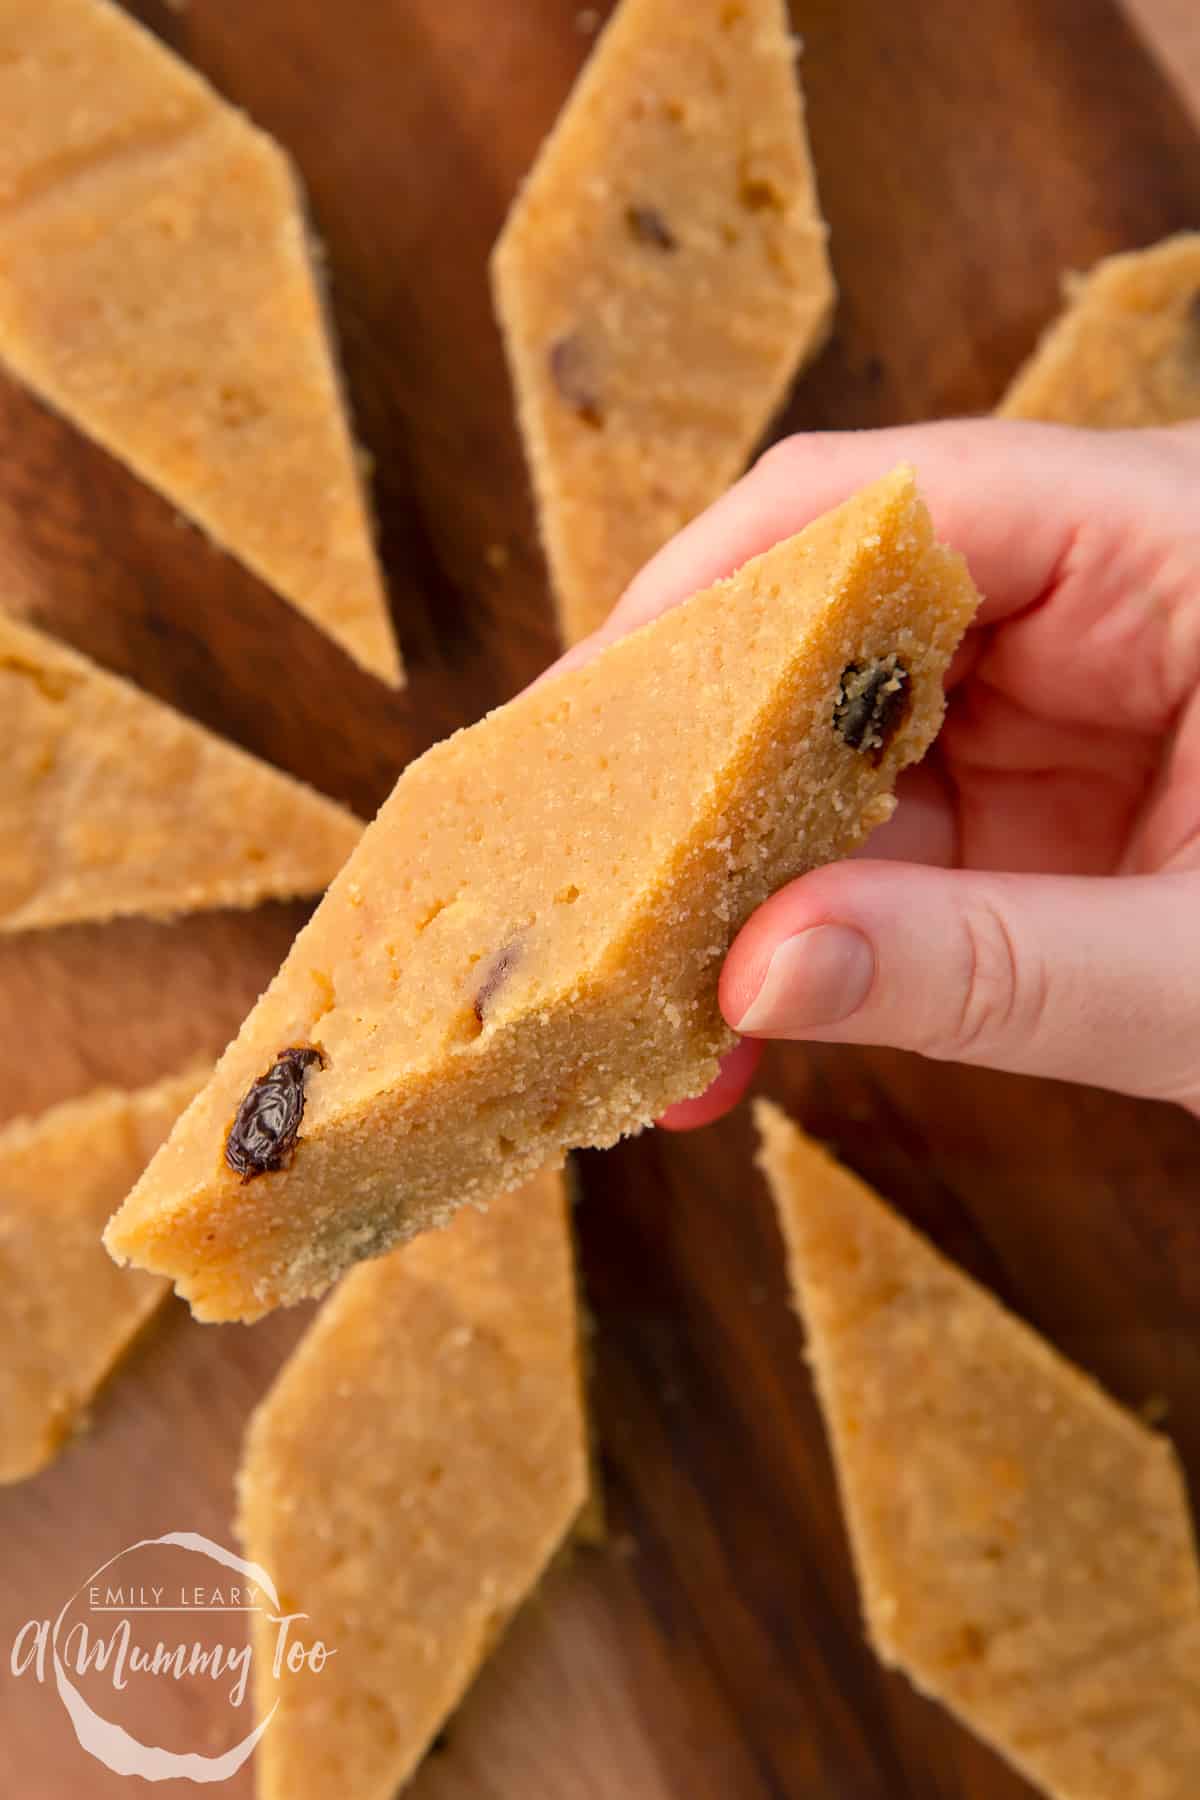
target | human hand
x=1034, y=905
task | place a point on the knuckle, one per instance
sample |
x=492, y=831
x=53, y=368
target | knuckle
x=1005, y=988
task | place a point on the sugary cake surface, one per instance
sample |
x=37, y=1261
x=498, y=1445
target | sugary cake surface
x=522, y=955
x=156, y=287
x=1126, y=350
x=66, y=1313
x=415, y=1467
x=114, y=804
x=1023, y=1544
x=662, y=275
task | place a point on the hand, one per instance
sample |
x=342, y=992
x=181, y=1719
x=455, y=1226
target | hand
x=1034, y=904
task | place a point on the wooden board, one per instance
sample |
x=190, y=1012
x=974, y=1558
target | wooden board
x=713, y=1649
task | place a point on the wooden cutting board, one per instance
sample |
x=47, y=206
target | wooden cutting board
x=712, y=1649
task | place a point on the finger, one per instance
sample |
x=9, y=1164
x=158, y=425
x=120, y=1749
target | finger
x=1093, y=980
x=1006, y=494
x=805, y=475
x=736, y=1074
x=1169, y=833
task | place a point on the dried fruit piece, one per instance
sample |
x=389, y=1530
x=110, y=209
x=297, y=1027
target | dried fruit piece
x=671, y=224
x=165, y=302
x=870, y=704
x=113, y=804
x=499, y=969
x=415, y=1467
x=649, y=227
x=1023, y=1544
x=263, y=1135
x=630, y=814
x=1126, y=349
x=66, y=1314
x=575, y=378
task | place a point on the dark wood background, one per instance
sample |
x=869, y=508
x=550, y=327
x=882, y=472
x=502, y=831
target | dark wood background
x=966, y=155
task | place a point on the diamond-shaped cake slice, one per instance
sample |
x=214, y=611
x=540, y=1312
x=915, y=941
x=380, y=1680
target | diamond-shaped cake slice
x=156, y=287
x=1124, y=1728
x=114, y=804
x=1023, y=1544
x=66, y=1313
x=662, y=275
x=1126, y=350
x=522, y=956
x=417, y=1464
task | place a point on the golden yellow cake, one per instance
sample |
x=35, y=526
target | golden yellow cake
x=156, y=287
x=1126, y=350
x=1023, y=1544
x=112, y=803
x=66, y=1313
x=661, y=276
x=522, y=955
x=405, y=1483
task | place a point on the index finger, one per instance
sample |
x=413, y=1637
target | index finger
x=1008, y=494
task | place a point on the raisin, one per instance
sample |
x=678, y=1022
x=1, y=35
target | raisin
x=499, y=970
x=649, y=227
x=570, y=368
x=263, y=1134
x=872, y=700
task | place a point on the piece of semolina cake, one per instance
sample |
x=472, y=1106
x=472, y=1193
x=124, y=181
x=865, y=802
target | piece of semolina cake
x=1126, y=349
x=114, y=804
x=662, y=275
x=157, y=288
x=66, y=1313
x=522, y=955
x=1023, y=1544
x=417, y=1464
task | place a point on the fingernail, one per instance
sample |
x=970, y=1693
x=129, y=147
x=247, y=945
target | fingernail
x=815, y=978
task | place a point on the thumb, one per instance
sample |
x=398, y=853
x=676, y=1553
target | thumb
x=1086, y=979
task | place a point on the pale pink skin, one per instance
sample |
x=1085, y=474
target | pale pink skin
x=1035, y=903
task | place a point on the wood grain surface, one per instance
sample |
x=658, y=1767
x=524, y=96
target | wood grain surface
x=712, y=1648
